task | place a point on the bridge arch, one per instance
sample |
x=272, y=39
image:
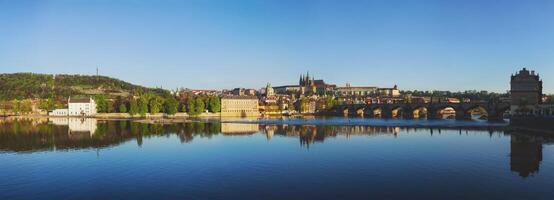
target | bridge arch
x=360, y=111
x=445, y=112
x=377, y=112
x=476, y=111
x=420, y=112
x=345, y=111
x=398, y=112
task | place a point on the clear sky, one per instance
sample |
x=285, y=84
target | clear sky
x=425, y=45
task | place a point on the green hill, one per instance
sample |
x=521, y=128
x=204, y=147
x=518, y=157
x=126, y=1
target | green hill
x=30, y=85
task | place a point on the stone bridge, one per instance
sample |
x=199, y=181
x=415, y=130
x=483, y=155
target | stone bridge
x=494, y=110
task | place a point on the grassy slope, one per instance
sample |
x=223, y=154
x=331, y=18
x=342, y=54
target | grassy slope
x=29, y=85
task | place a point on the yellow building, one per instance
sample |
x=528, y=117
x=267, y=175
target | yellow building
x=239, y=106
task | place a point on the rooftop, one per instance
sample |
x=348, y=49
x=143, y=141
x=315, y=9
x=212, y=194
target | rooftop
x=239, y=97
x=79, y=100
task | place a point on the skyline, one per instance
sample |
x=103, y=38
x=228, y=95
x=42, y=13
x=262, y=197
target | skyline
x=426, y=45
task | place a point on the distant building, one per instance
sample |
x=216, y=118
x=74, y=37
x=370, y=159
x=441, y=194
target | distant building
x=389, y=92
x=81, y=107
x=525, y=91
x=453, y=100
x=250, y=92
x=269, y=90
x=241, y=106
x=243, y=92
x=238, y=92
x=348, y=90
x=306, y=85
x=203, y=92
x=287, y=89
x=59, y=112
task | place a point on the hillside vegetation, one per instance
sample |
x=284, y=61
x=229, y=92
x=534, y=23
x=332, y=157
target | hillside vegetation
x=30, y=85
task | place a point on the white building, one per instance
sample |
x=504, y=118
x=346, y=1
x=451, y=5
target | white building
x=81, y=106
x=59, y=112
x=77, y=107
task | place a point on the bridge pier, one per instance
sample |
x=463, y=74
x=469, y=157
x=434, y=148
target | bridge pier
x=495, y=116
x=386, y=113
x=407, y=114
x=432, y=113
x=461, y=114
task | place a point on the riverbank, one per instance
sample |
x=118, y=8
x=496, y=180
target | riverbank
x=125, y=116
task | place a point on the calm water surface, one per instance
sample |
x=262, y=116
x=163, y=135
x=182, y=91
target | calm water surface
x=301, y=159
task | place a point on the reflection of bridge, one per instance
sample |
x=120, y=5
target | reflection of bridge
x=494, y=110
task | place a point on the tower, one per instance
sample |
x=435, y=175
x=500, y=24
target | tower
x=525, y=90
x=269, y=90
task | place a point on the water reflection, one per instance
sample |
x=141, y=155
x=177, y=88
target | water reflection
x=77, y=126
x=526, y=152
x=32, y=135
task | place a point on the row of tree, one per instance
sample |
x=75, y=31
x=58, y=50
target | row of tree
x=151, y=103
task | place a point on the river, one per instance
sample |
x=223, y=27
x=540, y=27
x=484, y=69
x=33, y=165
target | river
x=320, y=158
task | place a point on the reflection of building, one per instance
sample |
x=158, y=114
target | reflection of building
x=243, y=106
x=525, y=154
x=77, y=125
x=525, y=91
x=239, y=128
x=87, y=125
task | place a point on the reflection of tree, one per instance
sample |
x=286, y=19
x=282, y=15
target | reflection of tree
x=28, y=135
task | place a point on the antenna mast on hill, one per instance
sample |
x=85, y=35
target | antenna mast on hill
x=97, y=73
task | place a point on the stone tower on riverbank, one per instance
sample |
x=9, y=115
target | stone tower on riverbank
x=525, y=91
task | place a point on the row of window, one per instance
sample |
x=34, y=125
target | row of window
x=228, y=111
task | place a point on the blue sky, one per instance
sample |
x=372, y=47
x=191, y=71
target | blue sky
x=424, y=45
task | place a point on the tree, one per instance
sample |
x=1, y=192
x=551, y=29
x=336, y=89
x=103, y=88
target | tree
x=183, y=106
x=133, y=107
x=143, y=106
x=16, y=108
x=156, y=104
x=200, y=106
x=26, y=106
x=191, y=106
x=123, y=108
x=329, y=102
x=111, y=107
x=171, y=105
x=101, y=103
x=47, y=104
x=214, y=104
